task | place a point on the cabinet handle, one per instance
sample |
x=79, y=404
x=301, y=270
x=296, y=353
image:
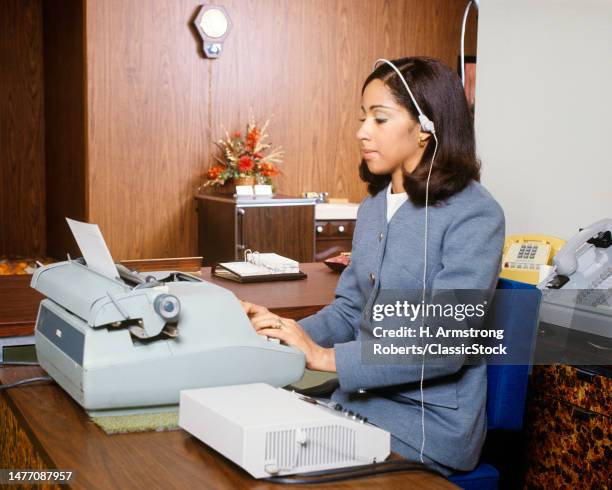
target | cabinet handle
x=239, y=231
x=341, y=229
x=319, y=229
x=582, y=414
x=586, y=376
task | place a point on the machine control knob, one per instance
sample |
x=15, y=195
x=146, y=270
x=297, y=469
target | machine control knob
x=167, y=306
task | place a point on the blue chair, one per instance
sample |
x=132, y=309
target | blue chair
x=517, y=314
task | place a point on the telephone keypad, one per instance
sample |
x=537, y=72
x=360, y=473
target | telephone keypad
x=527, y=255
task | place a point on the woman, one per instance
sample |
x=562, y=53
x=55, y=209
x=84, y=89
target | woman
x=435, y=414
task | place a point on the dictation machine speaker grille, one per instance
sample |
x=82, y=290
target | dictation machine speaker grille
x=310, y=446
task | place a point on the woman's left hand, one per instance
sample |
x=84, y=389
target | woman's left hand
x=291, y=333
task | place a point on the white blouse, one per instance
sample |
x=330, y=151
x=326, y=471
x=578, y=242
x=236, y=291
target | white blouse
x=394, y=201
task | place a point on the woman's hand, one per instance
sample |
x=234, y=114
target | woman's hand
x=252, y=310
x=291, y=333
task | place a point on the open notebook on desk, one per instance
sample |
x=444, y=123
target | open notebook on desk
x=259, y=267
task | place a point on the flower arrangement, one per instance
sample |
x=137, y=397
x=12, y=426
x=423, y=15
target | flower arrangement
x=245, y=158
x=17, y=265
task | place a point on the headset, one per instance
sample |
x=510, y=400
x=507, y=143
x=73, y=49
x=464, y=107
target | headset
x=427, y=126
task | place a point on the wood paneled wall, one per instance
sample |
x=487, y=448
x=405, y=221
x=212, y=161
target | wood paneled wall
x=111, y=116
x=148, y=102
x=155, y=106
x=22, y=163
x=64, y=55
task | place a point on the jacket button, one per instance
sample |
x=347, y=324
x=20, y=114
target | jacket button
x=372, y=278
x=380, y=237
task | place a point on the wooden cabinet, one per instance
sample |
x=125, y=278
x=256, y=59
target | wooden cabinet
x=568, y=424
x=333, y=237
x=227, y=226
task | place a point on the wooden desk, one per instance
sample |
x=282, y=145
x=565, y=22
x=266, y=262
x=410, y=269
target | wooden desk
x=18, y=306
x=290, y=299
x=19, y=302
x=41, y=427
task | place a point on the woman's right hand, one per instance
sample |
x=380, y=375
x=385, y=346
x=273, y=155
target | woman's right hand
x=252, y=310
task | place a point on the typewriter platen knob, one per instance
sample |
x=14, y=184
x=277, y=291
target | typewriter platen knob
x=167, y=306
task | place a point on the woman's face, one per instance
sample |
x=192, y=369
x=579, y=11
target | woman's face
x=388, y=134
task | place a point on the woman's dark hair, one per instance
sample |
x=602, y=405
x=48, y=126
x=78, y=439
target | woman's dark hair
x=439, y=93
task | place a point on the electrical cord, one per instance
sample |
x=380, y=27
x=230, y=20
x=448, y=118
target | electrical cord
x=465, y=16
x=18, y=363
x=25, y=381
x=351, y=472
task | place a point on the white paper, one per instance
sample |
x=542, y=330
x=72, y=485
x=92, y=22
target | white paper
x=263, y=190
x=276, y=263
x=93, y=247
x=257, y=264
x=245, y=269
x=244, y=190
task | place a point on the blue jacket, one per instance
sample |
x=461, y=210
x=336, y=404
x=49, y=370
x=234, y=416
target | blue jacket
x=465, y=242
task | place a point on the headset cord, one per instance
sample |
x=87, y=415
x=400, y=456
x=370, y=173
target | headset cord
x=423, y=298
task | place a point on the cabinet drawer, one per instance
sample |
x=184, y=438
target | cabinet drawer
x=334, y=229
x=285, y=230
x=228, y=226
x=569, y=446
x=568, y=427
x=579, y=386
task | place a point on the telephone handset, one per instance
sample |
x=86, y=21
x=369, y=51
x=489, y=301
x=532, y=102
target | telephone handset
x=578, y=295
x=524, y=255
x=599, y=234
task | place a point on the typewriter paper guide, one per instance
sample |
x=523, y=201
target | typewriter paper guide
x=93, y=247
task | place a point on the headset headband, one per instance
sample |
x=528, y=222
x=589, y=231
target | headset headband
x=427, y=124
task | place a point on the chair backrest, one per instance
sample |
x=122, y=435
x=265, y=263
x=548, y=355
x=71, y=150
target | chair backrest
x=515, y=311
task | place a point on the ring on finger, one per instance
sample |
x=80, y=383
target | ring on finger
x=279, y=323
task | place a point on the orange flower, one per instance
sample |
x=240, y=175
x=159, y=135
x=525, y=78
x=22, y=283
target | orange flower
x=269, y=170
x=252, y=138
x=245, y=164
x=213, y=172
x=237, y=134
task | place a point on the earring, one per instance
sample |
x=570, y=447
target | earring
x=422, y=142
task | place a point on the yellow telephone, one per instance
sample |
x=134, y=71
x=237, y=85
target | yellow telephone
x=524, y=254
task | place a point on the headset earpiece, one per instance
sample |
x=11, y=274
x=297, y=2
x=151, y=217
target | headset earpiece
x=427, y=124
